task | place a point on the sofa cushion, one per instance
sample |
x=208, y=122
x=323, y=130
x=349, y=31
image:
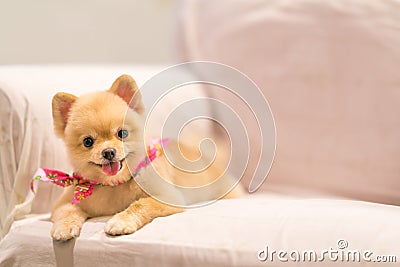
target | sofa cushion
x=329, y=70
x=227, y=233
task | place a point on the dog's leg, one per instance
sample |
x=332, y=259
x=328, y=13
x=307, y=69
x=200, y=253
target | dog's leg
x=68, y=220
x=137, y=215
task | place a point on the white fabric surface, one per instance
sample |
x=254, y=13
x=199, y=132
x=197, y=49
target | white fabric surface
x=228, y=233
x=18, y=152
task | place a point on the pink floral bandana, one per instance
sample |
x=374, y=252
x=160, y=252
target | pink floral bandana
x=83, y=187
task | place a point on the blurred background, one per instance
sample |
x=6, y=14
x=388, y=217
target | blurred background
x=121, y=31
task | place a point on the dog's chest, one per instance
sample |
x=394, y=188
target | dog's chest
x=109, y=200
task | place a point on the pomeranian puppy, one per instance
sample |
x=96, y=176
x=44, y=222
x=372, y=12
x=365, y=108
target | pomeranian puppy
x=103, y=131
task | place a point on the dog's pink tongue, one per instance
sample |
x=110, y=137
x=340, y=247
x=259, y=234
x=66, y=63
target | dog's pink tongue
x=111, y=169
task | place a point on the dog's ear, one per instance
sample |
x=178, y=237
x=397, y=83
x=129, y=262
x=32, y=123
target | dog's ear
x=62, y=103
x=126, y=88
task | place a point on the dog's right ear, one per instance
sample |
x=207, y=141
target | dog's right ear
x=62, y=103
x=126, y=88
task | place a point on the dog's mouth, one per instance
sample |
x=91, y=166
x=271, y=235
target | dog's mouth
x=111, y=168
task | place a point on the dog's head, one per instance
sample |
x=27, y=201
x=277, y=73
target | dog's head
x=101, y=130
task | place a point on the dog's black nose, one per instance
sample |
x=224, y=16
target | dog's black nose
x=109, y=153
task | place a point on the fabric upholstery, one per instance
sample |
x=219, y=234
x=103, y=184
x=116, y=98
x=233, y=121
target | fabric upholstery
x=329, y=70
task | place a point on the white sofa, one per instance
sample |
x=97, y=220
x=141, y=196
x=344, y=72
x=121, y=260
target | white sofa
x=330, y=74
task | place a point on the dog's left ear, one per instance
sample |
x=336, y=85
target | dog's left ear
x=126, y=88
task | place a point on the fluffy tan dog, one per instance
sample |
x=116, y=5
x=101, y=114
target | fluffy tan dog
x=100, y=140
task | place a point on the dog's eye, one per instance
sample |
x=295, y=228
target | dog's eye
x=88, y=142
x=123, y=134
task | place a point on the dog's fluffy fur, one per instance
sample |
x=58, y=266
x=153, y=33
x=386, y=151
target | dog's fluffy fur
x=101, y=115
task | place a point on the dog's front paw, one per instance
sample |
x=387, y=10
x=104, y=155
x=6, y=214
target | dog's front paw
x=122, y=224
x=65, y=231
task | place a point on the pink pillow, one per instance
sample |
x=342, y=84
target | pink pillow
x=330, y=71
